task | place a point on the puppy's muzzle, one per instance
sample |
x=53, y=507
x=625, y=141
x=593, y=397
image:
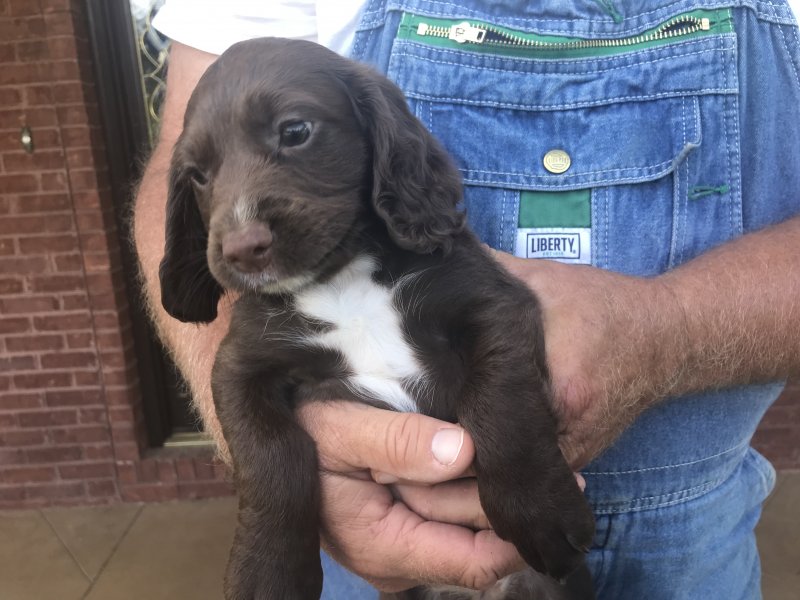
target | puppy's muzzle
x=247, y=249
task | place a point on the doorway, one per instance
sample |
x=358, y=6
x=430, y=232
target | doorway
x=130, y=61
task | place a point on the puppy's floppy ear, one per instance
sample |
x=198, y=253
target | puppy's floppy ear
x=416, y=188
x=188, y=291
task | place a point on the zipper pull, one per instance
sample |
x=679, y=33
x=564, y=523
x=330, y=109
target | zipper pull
x=464, y=32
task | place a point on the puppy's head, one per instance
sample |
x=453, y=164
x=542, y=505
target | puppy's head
x=288, y=153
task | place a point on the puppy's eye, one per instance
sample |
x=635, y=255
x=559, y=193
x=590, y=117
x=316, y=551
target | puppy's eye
x=295, y=133
x=197, y=177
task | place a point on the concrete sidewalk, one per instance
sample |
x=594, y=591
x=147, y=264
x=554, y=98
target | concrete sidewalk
x=177, y=551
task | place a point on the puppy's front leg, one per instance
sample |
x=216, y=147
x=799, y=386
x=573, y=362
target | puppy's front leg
x=525, y=485
x=275, y=554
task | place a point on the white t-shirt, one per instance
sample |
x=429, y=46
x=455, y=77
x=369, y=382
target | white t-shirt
x=214, y=25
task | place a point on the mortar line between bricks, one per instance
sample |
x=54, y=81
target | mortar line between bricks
x=113, y=552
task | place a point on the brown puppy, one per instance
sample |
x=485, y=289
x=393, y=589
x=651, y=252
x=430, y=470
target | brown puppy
x=302, y=181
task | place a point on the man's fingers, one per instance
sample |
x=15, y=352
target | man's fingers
x=351, y=436
x=453, y=502
x=458, y=556
x=392, y=544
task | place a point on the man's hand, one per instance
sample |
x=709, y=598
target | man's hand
x=603, y=334
x=437, y=533
x=618, y=344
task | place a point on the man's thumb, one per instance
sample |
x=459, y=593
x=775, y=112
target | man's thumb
x=394, y=446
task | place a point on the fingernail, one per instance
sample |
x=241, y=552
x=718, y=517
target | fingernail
x=446, y=445
x=384, y=478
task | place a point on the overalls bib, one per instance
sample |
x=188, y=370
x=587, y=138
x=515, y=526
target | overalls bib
x=676, y=129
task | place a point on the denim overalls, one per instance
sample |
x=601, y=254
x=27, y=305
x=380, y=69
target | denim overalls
x=678, y=131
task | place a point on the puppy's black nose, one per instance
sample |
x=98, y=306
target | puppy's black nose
x=247, y=248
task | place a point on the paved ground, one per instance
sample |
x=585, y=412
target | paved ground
x=177, y=551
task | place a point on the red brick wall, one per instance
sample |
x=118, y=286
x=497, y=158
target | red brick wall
x=71, y=425
x=778, y=435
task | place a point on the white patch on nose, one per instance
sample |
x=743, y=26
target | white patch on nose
x=244, y=211
x=367, y=331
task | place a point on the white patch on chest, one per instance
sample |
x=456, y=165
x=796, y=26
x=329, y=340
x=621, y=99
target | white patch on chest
x=367, y=331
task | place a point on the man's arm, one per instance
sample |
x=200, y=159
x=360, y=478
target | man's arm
x=192, y=347
x=618, y=344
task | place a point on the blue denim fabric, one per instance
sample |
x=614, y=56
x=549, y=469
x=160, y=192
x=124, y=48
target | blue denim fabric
x=678, y=495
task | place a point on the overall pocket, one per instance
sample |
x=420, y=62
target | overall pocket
x=640, y=129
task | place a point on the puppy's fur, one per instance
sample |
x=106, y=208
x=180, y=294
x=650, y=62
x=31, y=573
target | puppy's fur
x=366, y=286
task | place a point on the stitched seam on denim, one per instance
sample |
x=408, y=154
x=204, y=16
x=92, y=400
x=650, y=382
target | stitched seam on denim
x=771, y=12
x=636, y=504
x=736, y=172
x=698, y=125
x=766, y=11
x=725, y=134
x=595, y=230
x=586, y=104
x=502, y=239
x=523, y=181
x=789, y=56
x=368, y=41
x=697, y=133
x=371, y=21
x=646, y=171
x=681, y=181
x=679, y=209
x=785, y=17
x=675, y=466
x=532, y=180
x=356, y=52
x=727, y=145
x=682, y=493
x=672, y=260
x=796, y=31
x=728, y=114
x=601, y=199
x=608, y=226
x=373, y=15
x=694, y=133
x=734, y=158
x=777, y=20
x=573, y=62
x=430, y=116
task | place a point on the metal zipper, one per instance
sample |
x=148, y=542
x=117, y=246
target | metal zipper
x=466, y=32
x=481, y=36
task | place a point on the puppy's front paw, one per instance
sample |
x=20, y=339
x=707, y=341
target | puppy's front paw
x=548, y=520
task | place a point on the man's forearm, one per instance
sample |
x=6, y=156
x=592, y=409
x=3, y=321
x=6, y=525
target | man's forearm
x=192, y=347
x=740, y=306
x=729, y=317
